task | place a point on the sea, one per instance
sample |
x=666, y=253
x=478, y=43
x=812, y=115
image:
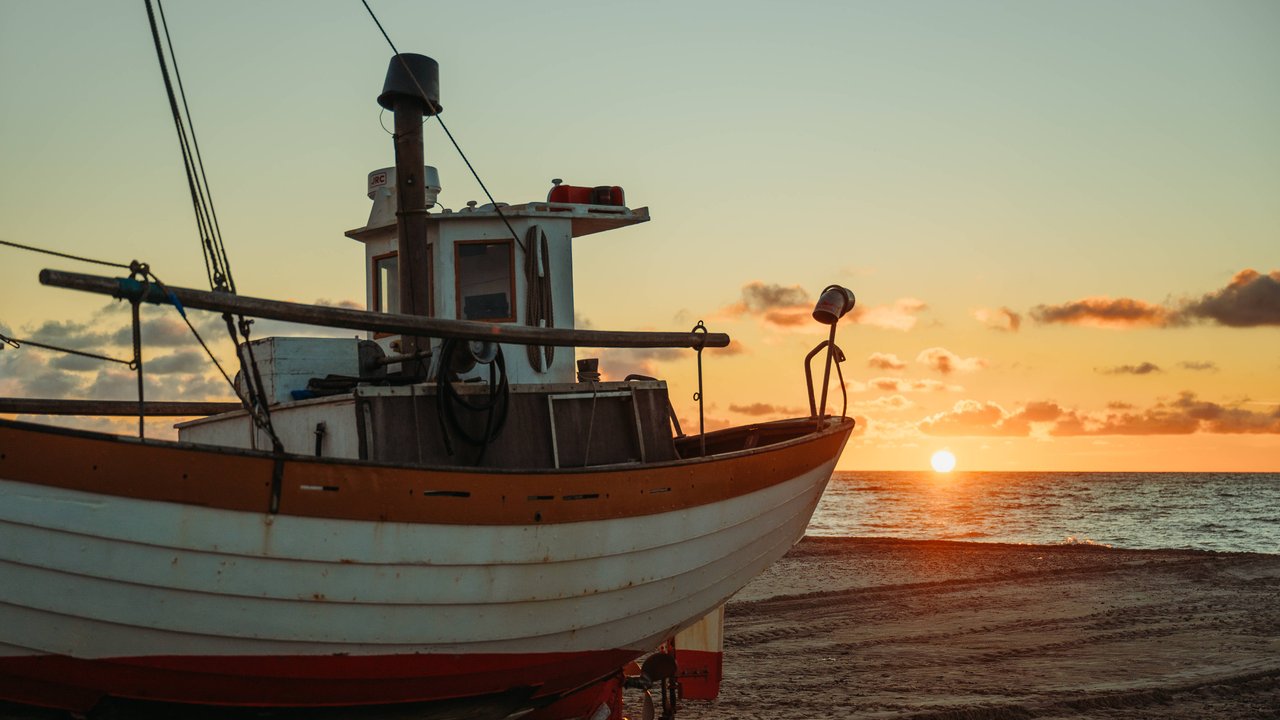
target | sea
x=1202, y=511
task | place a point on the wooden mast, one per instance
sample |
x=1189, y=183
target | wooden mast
x=412, y=91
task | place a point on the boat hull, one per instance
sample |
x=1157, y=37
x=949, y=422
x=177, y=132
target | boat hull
x=111, y=589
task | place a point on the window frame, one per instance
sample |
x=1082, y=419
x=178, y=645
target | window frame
x=377, y=285
x=511, y=276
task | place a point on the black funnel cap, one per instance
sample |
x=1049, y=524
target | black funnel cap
x=404, y=69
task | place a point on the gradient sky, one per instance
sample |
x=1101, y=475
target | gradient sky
x=1107, y=174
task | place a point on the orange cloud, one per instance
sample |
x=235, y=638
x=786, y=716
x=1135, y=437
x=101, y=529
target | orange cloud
x=790, y=306
x=1251, y=299
x=1002, y=319
x=1183, y=416
x=971, y=417
x=1144, y=368
x=1105, y=312
x=889, y=384
x=901, y=315
x=758, y=297
x=781, y=305
x=735, y=347
x=885, y=361
x=888, y=402
x=759, y=409
x=618, y=363
x=946, y=362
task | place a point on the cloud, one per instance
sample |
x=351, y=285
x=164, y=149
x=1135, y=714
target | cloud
x=759, y=409
x=781, y=305
x=182, y=361
x=1144, y=368
x=182, y=374
x=946, y=362
x=76, y=363
x=1105, y=312
x=618, y=363
x=885, y=361
x=1002, y=319
x=735, y=347
x=1207, y=366
x=346, y=304
x=1251, y=299
x=971, y=417
x=51, y=383
x=758, y=297
x=790, y=306
x=74, y=335
x=891, y=403
x=901, y=315
x=890, y=384
x=1183, y=416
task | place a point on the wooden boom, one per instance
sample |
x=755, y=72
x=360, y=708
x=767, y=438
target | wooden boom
x=50, y=406
x=379, y=322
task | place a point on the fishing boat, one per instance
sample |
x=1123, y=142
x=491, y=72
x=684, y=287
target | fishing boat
x=453, y=513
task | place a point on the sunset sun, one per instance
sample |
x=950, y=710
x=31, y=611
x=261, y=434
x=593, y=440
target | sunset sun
x=943, y=461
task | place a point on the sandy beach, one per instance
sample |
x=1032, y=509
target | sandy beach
x=863, y=628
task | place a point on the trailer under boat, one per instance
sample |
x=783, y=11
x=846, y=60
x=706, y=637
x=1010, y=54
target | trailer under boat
x=453, y=514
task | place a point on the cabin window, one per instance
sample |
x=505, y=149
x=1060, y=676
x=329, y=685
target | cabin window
x=386, y=283
x=486, y=280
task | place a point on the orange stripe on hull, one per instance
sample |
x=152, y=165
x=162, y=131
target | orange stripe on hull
x=240, y=480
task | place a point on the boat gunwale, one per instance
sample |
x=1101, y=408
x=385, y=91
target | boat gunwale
x=834, y=424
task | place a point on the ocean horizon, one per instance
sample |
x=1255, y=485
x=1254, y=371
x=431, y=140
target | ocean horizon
x=1220, y=511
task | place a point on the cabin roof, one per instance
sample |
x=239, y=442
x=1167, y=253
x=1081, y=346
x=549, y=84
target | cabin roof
x=586, y=219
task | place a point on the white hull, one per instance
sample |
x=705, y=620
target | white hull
x=94, y=576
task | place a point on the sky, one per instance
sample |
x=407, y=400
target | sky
x=1060, y=218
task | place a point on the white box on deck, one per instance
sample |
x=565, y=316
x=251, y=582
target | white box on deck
x=287, y=363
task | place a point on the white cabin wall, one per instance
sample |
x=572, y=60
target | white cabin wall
x=295, y=425
x=445, y=230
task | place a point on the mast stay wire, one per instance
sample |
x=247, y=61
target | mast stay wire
x=68, y=256
x=514, y=235
x=219, y=247
x=146, y=269
x=217, y=264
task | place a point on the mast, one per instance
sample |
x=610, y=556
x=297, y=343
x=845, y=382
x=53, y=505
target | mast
x=412, y=91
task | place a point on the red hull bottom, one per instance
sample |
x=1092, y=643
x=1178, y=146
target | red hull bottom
x=300, y=681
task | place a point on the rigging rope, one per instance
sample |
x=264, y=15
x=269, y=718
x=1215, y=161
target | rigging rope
x=135, y=265
x=218, y=247
x=68, y=256
x=538, y=308
x=213, y=259
x=217, y=264
x=444, y=127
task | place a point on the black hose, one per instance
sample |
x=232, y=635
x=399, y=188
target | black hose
x=449, y=402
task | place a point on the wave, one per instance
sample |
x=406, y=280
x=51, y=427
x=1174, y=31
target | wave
x=1073, y=540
